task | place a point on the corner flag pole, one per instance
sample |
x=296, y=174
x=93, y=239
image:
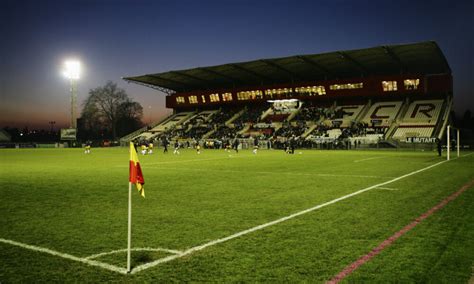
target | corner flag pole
x=136, y=177
x=129, y=225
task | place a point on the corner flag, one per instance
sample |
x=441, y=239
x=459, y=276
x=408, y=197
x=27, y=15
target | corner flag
x=135, y=170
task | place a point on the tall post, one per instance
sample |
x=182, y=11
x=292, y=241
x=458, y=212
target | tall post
x=458, y=142
x=448, y=149
x=129, y=246
x=73, y=103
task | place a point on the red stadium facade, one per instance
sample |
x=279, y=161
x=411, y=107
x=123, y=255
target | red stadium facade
x=429, y=86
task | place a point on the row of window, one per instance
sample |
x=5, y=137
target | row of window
x=249, y=95
x=409, y=84
x=346, y=86
x=388, y=86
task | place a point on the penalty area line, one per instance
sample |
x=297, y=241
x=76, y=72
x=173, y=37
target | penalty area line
x=283, y=219
x=66, y=256
x=368, y=159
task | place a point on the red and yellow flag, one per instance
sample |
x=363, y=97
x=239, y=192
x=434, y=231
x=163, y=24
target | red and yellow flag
x=136, y=175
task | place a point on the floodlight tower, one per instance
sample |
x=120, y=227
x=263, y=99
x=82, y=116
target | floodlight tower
x=72, y=70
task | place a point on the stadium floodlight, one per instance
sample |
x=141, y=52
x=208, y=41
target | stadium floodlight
x=72, y=70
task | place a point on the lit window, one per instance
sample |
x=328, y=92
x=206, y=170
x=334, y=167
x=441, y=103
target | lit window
x=242, y=96
x=389, y=86
x=269, y=93
x=180, y=100
x=311, y=90
x=226, y=97
x=346, y=86
x=320, y=90
x=411, y=84
x=193, y=99
x=203, y=98
x=214, y=97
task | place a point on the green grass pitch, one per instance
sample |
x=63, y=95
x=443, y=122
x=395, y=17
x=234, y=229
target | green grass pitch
x=76, y=204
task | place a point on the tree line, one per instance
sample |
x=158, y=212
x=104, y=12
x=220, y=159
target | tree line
x=109, y=113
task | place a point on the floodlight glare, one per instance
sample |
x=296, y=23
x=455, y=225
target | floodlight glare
x=72, y=69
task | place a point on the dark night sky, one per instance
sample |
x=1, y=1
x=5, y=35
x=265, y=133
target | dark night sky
x=114, y=39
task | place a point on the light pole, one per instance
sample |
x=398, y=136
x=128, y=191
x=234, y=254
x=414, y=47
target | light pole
x=149, y=115
x=72, y=70
x=52, y=123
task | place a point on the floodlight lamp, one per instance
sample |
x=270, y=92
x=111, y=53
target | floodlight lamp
x=72, y=69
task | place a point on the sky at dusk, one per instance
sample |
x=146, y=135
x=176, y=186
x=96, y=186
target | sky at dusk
x=115, y=39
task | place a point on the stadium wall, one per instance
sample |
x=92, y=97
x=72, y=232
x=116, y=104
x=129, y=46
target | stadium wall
x=430, y=86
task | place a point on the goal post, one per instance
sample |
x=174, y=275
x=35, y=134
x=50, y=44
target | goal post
x=449, y=141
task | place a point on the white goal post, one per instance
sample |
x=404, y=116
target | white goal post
x=448, y=141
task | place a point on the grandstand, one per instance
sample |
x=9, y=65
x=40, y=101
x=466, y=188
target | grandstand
x=390, y=92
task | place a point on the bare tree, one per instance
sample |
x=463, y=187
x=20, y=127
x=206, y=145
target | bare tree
x=107, y=105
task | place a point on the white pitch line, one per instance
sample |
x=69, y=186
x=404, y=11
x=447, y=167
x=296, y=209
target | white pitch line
x=336, y=175
x=191, y=161
x=367, y=159
x=66, y=256
x=133, y=249
x=184, y=161
x=283, y=219
x=388, y=188
x=272, y=173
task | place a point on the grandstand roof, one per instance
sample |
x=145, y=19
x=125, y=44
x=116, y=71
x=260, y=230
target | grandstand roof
x=417, y=58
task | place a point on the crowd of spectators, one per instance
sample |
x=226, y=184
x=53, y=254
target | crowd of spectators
x=325, y=117
x=252, y=115
x=224, y=132
x=289, y=130
x=312, y=113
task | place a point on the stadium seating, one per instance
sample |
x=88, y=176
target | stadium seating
x=347, y=123
x=419, y=120
x=424, y=112
x=403, y=132
x=347, y=114
x=382, y=114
